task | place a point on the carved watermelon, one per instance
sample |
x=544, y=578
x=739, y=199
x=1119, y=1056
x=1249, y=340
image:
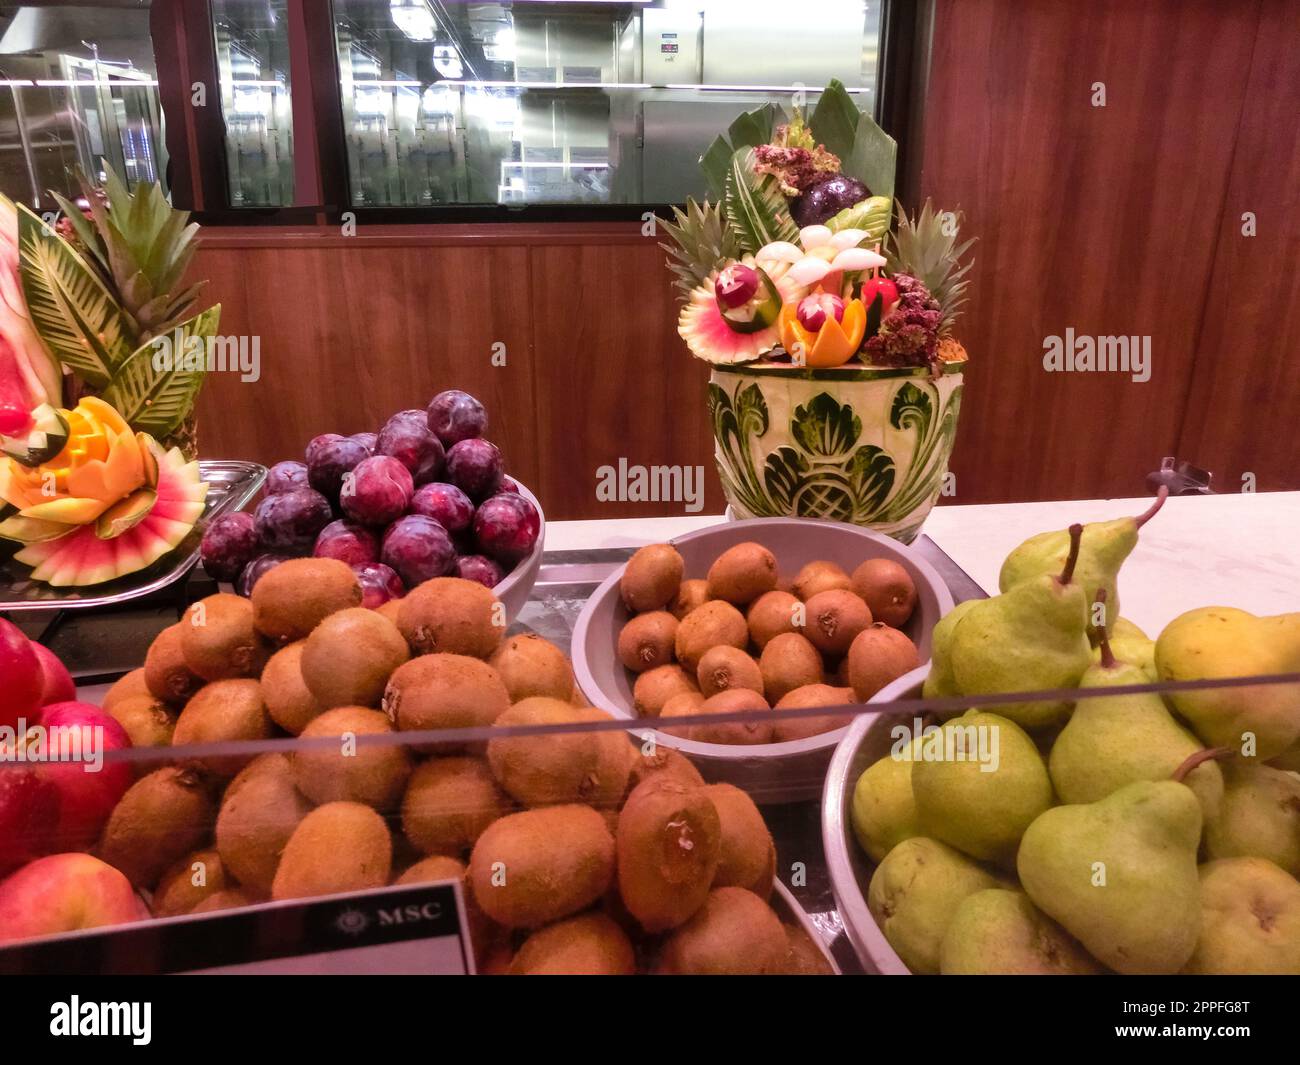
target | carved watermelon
x=147, y=525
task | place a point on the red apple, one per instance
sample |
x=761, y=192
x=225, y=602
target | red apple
x=65, y=893
x=21, y=680
x=29, y=812
x=57, y=685
x=87, y=794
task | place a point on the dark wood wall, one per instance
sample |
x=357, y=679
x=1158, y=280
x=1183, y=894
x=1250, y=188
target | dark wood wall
x=1115, y=220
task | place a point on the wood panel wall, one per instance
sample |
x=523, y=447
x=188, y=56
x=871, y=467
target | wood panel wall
x=1114, y=220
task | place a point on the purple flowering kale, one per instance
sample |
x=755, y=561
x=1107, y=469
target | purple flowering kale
x=909, y=334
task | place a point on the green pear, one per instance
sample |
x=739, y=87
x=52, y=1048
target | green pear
x=978, y=782
x=1250, y=920
x=999, y=932
x=939, y=682
x=1104, y=547
x=1119, y=874
x=1219, y=642
x=1130, y=644
x=1259, y=817
x=1114, y=740
x=915, y=891
x=884, y=813
x=1031, y=637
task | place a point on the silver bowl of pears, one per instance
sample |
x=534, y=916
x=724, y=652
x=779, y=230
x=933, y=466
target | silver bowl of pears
x=1096, y=826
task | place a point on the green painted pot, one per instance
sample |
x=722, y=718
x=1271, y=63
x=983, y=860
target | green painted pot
x=869, y=447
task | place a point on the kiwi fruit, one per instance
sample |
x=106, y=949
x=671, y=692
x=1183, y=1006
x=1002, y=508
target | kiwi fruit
x=653, y=688
x=820, y=576
x=591, y=944
x=669, y=845
x=433, y=868
x=450, y=615
x=646, y=641
x=161, y=818
x=219, y=640
x=288, y=699
x=223, y=711
x=878, y=656
x=661, y=761
x=389, y=610
x=691, y=594
x=259, y=812
x=165, y=673
x=789, y=661
x=131, y=685
x=832, y=619
x=529, y=665
x=531, y=868
x=147, y=720
x=444, y=691
x=724, y=667
x=714, y=623
x=188, y=882
x=296, y=596
x=683, y=705
x=349, y=657
x=562, y=767
x=449, y=802
x=732, y=701
x=773, y=613
x=887, y=588
x=231, y=898
x=341, y=846
x=373, y=774
x=803, y=956
x=811, y=695
x=742, y=573
x=733, y=933
x=651, y=578
x=748, y=855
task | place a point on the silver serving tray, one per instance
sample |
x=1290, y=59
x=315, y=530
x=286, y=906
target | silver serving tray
x=231, y=484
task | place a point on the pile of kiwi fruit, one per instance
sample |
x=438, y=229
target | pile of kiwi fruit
x=742, y=638
x=579, y=851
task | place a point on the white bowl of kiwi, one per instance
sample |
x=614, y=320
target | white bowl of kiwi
x=753, y=615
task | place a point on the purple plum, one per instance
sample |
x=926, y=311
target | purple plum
x=229, y=544
x=318, y=442
x=378, y=491
x=332, y=462
x=474, y=466
x=446, y=504
x=291, y=521
x=826, y=199
x=379, y=584
x=507, y=484
x=506, y=527
x=455, y=416
x=410, y=442
x=419, y=549
x=254, y=570
x=348, y=542
x=285, y=477
x=480, y=568
x=367, y=440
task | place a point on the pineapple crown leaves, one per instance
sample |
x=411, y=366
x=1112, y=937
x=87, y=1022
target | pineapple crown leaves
x=925, y=246
x=701, y=241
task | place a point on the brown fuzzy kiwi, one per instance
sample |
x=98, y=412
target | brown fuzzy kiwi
x=450, y=615
x=646, y=641
x=148, y=720
x=789, y=661
x=742, y=573
x=232, y=898
x=748, y=855
x=389, y=610
x=734, y=933
x=732, y=701
x=165, y=673
x=529, y=665
x=655, y=687
x=531, y=868
x=804, y=957
x=432, y=869
x=878, y=656
x=563, y=767
x=296, y=596
x=222, y=711
x=651, y=578
x=888, y=589
x=686, y=704
x=341, y=846
x=449, y=802
x=773, y=613
x=724, y=667
x=591, y=944
x=188, y=882
x=129, y=686
x=288, y=699
x=161, y=818
x=219, y=641
x=692, y=593
x=832, y=619
x=349, y=657
x=373, y=774
x=259, y=812
x=444, y=691
x=661, y=761
x=820, y=576
x=714, y=623
x=811, y=695
x=669, y=845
